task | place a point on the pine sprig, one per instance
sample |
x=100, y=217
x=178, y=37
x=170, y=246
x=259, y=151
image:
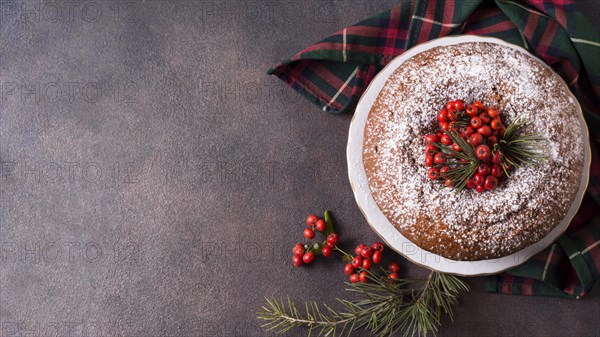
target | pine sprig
x=384, y=308
x=521, y=148
x=461, y=120
x=461, y=175
x=463, y=169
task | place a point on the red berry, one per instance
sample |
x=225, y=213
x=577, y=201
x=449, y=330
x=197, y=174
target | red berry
x=497, y=171
x=482, y=152
x=367, y=252
x=479, y=189
x=326, y=251
x=449, y=105
x=497, y=158
x=348, y=269
x=378, y=246
x=393, y=276
x=442, y=116
x=459, y=105
x=444, y=170
x=456, y=147
x=357, y=261
x=431, y=138
x=471, y=111
x=485, y=118
x=451, y=114
x=428, y=160
x=467, y=130
x=496, y=124
x=364, y=277
x=321, y=226
x=444, y=126
x=433, y=173
x=358, y=250
x=476, y=122
x=479, y=105
x=491, y=182
x=446, y=139
x=470, y=184
x=332, y=238
x=377, y=257
x=431, y=150
x=440, y=158
x=491, y=140
x=449, y=183
x=501, y=131
x=298, y=249
x=476, y=139
x=485, y=131
x=478, y=179
x=310, y=221
x=394, y=267
x=366, y=264
x=308, y=257
x=309, y=233
x=494, y=113
x=484, y=169
x=297, y=260
x=354, y=278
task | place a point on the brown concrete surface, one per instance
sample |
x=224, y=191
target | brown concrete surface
x=154, y=178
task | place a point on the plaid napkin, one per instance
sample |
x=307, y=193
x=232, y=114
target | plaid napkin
x=334, y=73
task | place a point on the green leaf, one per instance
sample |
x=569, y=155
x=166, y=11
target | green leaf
x=329, y=223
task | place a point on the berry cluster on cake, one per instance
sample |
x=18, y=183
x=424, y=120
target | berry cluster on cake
x=438, y=156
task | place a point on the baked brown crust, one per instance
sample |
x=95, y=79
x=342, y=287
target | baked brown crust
x=469, y=225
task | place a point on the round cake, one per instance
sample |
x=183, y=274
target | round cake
x=468, y=225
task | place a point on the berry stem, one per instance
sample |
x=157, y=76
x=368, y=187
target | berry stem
x=345, y=256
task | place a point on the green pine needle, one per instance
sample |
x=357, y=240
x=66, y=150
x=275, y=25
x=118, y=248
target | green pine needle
x=521, y=148
x=462, y=120
x=383, y=308
x=461, y=171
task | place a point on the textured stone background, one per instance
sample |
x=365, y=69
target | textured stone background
x=154, y=177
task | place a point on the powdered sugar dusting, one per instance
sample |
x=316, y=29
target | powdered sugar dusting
x=468, y=225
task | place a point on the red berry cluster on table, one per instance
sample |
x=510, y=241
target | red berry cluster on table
x=474, y=149
x=305, y=254
x=364, y=259
x=357, y=267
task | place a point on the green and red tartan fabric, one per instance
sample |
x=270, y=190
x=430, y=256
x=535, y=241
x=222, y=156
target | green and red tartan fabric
x=335, y=72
